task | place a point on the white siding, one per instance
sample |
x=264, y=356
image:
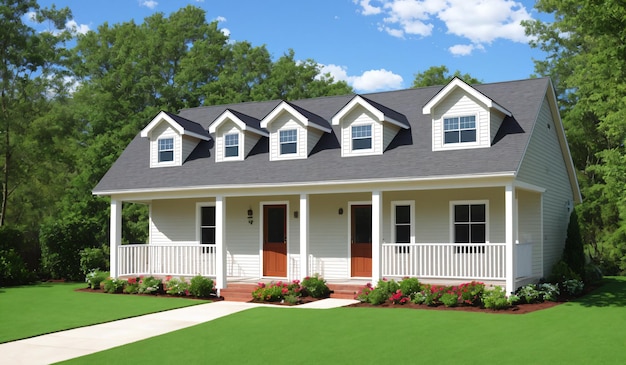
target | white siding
x=313, y=137
x=543, y=165
x=389, y=133
x=458, y=103
x=173, y=221
x=189, y=144
x=250, y=141
x=496, y=119
x=529, y=226
x=164, y=130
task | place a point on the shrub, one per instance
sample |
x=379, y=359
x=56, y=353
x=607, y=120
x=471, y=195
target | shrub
x=315, y=286
x=92, y=258
x=113, y=286
x=449, y=299
x=363, y=294
x=399, y=297
x=572, y=287
x=574, y=251
x=496, y=299
x=150, y=285
x=549, y=292
x=378, y=296
x=95, y=277
x=593, y=274
x=410, y=286
x=132, y=286
x=470, y=293
x=13, y=270
x=279, y=291
x=561, y=272
x=201, y=287
x=529, y=294
x=292, y=299
x=176, y=287
x=419, y=298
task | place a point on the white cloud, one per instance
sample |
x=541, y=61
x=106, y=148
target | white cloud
x=225, y=31
x=464, y=49
x=32, y=16
x=368, y=9
x=76, y=28
x=148, y=3
x=478, y=21
x=372, y=80
x=221, y=19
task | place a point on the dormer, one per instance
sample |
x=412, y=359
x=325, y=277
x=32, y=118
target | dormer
x=463, y=117
x=235, y=135
x=293, y=131
x=172, y=139
x=367, y=128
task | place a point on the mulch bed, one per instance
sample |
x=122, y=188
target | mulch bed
x=516, y=309
x=163, y=295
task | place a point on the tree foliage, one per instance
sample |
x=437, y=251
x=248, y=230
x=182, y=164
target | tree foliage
x=440, y=75
x=586, y=58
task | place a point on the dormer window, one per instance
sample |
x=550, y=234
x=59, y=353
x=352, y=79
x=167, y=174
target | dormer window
x=166, y=149
x=361, y=137
x=288, y=141
x=459, y=129
x=231, y=145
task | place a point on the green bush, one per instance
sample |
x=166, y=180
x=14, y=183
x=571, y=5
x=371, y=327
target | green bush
x=529, y=294
x=549, y=291
x=13, y=271
x=363, y=294
x=114, y=286
x=449, y=299
x=92, y=258
x=132, y=286
x=561, y=272
x=95, y=277
x=593, y=274
x=150, y=285
x=378, y=296
x=201, y=287
x=574, y=251
x=177, y=287
x=496, y=299
x=410, y=286
x=315, y=287
x=572, y=287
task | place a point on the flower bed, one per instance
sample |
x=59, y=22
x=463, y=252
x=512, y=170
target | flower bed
x=291, y=293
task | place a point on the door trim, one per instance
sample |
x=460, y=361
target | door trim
x=261, y=214
x=349, y=248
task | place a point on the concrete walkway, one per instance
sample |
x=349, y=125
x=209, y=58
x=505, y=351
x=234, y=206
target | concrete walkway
x=64, y=345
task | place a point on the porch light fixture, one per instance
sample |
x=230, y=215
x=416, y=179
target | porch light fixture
x=340, y=211
x=250, y=216
x=295, y=214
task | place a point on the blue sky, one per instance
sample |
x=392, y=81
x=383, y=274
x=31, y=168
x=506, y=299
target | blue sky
x=374, y=45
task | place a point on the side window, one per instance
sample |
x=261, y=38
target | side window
x=231, y=145
x=459, y=129
x=288, y=141
x=361, y=137
x=207, y=225
x=166, y=149
x=470, y=226
x=402, y=225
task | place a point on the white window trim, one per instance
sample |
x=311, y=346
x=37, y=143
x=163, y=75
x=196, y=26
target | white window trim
x=288, y=156
x=453, y=203
x=394, y=204
x=367, y=151
x=175, y=151
x=459, y=145
x=199, y=207
x=239, y=156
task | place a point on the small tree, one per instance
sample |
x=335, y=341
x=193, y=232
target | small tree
x=573, y=252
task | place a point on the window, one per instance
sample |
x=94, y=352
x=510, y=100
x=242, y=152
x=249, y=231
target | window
x=361, y=137
x=207, y=226
x=402, y=226
x=288, y=141
x=166, y=149
x=470, y=226
x=231, y=145
x=459, y=129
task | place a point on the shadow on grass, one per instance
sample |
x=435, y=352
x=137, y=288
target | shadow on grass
x=612, y=293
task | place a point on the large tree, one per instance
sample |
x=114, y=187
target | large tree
x=30, y=81
x=586, y=57
x=440, y=75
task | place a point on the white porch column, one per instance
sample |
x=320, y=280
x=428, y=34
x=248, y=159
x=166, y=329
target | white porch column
x=304, y=235
x=115, y=235
x=220, y=245
x=510, y=212
x=377, y=224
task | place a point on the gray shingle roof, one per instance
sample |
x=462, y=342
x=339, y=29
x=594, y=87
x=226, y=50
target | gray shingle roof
x=188, y=125
x=409, y=155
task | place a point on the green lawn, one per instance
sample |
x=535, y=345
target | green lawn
x=589, y=331
x=33, y=310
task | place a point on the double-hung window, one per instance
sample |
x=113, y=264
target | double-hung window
x=207, y=227
x=470, y=226
x=459, y=129
x=231, y=145
x=166, y=149
x=402, y=226
x=288, y=141
x=361, y=137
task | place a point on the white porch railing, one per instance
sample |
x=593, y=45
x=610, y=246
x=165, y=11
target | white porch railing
x=482, y=261
x=175, y=260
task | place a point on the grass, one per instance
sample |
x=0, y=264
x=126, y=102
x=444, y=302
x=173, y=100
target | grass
x=34, y=310
x=588, y=331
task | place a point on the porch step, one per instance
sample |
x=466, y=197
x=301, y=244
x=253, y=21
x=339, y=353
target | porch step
x=344, y=291
x=238, y=292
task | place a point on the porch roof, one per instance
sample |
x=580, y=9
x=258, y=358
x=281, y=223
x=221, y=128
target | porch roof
x=409, y=155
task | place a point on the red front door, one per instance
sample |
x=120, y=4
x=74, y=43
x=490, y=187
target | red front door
x=275, y=240
x=361, y=240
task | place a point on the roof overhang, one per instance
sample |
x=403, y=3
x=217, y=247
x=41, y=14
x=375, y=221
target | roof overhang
x=228, y=115
x=458, y=83
x=285, y=107
x=356, y=101
x=162, y=117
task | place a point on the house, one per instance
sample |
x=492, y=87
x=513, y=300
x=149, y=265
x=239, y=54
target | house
x=446, y=184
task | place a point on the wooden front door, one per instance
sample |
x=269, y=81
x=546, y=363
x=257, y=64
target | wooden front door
x=275, y=240
x=361, y=240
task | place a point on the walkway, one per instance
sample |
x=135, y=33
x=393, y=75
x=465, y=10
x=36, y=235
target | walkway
x=82, y=341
